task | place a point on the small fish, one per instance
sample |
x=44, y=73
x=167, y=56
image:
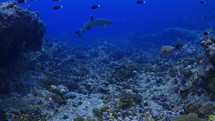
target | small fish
x=202, y=2
x=95, y=6
x=168, y=49
x=21, y=1
x=207, y=32
x=140, y=2
x=211, y=118
x=56, y=0
x=57, y=7
x=29, y=7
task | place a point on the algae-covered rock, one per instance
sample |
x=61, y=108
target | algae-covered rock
x=20, y=29
x=124, y=72
x=99, y=112
x=128, y=100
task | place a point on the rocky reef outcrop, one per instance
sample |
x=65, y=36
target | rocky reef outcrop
x=208, y=71
x=208, y=44
x=20, y=29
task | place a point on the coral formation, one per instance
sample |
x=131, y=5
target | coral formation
x=20, y=29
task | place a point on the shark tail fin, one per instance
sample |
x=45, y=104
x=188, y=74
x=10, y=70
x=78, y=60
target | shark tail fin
x=79, y=32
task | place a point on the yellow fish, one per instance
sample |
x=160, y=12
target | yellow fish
x=211, y=118
x=168, y=48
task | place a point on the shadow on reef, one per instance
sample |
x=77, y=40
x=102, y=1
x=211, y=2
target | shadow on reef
x=20, y=29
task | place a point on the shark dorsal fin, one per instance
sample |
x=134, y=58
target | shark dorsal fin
x=91, y=18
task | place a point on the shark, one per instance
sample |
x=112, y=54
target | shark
x=93, y=22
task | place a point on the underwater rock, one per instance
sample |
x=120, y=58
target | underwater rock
x=70, y=95
x=207, y=72
x=20, y=29
x=192, y=107
x=207, y=108
x=189, y=117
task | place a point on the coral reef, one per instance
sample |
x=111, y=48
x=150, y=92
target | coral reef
x=94, y=81
x=20, y=29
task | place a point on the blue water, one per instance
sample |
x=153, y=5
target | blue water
x=128, y=17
